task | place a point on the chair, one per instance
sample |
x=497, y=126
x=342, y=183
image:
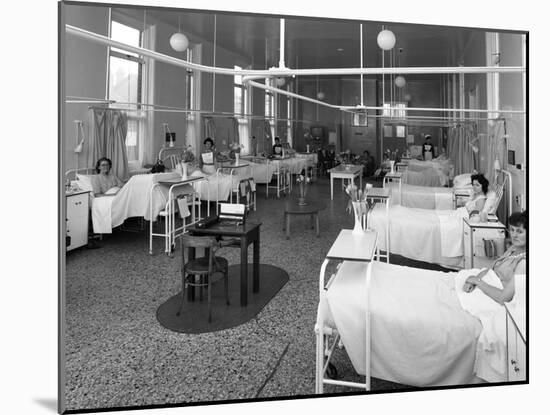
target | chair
x=199, y=272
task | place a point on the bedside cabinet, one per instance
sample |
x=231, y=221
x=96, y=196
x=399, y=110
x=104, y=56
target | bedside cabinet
x=474, y=246
x=77, y=210
x=516, y=347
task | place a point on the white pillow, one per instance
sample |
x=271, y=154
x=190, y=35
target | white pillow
x=491, y=203
x=88, y=183
x=462, y=180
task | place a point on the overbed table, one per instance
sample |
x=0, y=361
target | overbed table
x=348, y=246
x=382, y=195
x=391, y=177
x=249, y=233
x=349, y=173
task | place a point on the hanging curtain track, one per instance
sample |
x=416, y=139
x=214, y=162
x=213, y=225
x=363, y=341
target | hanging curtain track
x=249, y=75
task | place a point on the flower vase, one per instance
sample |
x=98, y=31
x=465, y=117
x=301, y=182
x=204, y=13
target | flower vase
x=302, y=198
x=357, y=213
x=392, y=166
x=236, y=159
x=183, y=171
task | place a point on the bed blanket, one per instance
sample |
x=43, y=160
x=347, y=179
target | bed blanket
x=420, y=334
x=426, y=197
x=414, y=233
x=490, y=363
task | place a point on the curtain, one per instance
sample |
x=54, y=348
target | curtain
x=109, y=140
x=236, y=136
x=210, y=128
x=460, y=148
x=494, y=149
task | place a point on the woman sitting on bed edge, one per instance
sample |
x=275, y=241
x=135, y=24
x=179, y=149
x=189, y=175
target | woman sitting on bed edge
x=108, y=183
x=510, y=263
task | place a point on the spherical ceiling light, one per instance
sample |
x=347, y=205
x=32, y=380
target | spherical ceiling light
x=400, y=81
x=280, y=81
x=179, y=42
x=407, y=97
x=320, y=95
x=386, y=39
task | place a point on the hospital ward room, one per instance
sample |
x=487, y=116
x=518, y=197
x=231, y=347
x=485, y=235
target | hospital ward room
x=259, y=206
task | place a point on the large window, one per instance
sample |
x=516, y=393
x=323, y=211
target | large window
x=126, y=71
x=240, y=106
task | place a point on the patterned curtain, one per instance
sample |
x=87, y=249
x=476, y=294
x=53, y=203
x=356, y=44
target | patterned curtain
x=462, y=148
x=109, y=140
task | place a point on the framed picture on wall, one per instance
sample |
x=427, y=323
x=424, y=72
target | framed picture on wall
x=359, y=119
x=400, y=131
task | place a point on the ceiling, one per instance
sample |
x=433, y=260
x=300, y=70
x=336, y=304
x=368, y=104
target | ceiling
x=319, y=43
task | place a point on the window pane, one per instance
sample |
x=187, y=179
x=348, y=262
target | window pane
x=123, y=80
x=125, y=34
x=132, y=142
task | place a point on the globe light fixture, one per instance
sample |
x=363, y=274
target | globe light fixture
x=400, y=81
x=386, y=39
x=179, y=42
x=407, y=97
x=280, y=81
x=320, y=95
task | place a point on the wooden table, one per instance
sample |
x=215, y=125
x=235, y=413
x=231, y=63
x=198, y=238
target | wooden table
x=293, y=208
x=349, y=173
x=247, y=234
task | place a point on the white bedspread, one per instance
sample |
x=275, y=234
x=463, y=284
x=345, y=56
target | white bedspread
x=414, y=233
x=133, y=200
x=420, y=334
x=427, y=177
x=451, y=226
x=262, y=172
x=426, y=197
x=490, y=363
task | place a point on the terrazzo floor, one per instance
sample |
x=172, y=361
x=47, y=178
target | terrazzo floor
x=118, y=355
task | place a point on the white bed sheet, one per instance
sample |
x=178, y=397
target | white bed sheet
x=262, y=172
x=132, y=200
x=420, y=334
x=425, y=197
x=418, y=233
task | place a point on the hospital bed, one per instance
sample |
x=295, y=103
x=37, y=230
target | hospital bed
x=434, y=236
x=427, y=197
x=406, y=325
x=139, y=197
x=433, y=173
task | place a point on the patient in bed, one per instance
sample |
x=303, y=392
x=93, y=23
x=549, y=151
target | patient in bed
x=108, y=183
x=477, y=201
x=510, y=263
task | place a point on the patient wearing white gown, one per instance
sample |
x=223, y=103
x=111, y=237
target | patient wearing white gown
x=107, y=182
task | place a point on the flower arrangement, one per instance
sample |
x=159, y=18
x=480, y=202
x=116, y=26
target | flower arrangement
x=236, y=147
x=358, y=204
x=187, y=155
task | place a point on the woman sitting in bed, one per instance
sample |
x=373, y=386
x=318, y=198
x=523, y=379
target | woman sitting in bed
x=480, y=187
x=510, y=263
x=108, y=183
